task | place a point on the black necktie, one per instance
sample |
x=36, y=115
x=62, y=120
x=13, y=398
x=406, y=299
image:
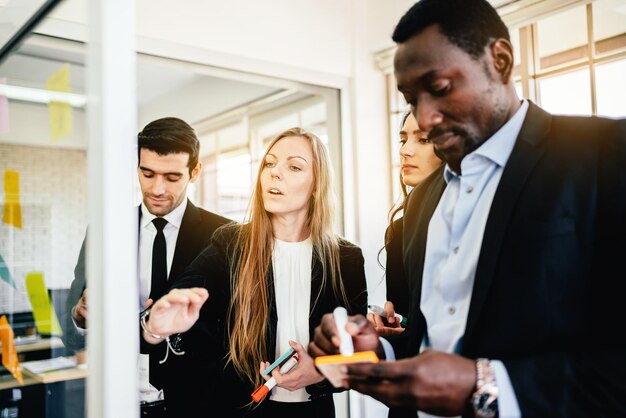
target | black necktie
x=159, y=261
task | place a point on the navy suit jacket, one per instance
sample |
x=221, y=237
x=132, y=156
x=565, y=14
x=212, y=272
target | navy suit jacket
x=549, y=287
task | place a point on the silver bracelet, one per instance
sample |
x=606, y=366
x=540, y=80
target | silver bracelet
x=144, y=327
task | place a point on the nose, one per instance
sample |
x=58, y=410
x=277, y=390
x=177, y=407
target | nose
x=427, y=115
x=274, y=172
x=158, y=185
x=406, y=150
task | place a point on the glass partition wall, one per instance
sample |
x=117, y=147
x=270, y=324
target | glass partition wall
x=64, y=173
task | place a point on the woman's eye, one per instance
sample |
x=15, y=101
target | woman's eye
x=424, y=141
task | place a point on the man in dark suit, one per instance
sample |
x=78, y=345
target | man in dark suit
x=168, y=162
x=515, y=256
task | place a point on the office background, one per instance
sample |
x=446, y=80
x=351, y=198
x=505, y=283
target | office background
x=239, y=72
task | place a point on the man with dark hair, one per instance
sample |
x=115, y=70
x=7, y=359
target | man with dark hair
x=512, y=257
x=168, y=161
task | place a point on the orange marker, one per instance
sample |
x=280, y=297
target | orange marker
x=264, y=389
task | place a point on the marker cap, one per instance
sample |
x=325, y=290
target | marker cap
x=259, y=394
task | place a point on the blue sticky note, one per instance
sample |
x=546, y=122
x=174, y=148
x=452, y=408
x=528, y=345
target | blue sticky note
x=5, y=274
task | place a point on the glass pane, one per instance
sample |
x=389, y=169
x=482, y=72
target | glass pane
x=43, y=170
x=554, y=47
x=611, y=89
x=609, y=19
x=234, y=183
x=568, y=93
x=515, y=41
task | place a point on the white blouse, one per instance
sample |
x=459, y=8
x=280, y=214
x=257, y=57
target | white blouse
x=291, y=262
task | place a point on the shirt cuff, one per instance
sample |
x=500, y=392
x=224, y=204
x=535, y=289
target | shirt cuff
x=507, y=401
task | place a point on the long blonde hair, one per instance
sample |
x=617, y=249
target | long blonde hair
x=248, y=315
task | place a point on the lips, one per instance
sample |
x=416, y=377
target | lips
x=157, y=200
x=274, y=191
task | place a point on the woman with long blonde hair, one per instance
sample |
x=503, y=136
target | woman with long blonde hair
x=269, y=281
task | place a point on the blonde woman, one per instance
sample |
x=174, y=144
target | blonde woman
x=267, y=283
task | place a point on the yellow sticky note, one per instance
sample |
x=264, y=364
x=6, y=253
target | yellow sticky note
x=60, y=113
x=45, y=317
x=9, y=353
x=12, y=214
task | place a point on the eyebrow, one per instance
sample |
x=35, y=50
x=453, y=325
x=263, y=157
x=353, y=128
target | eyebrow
x=424, y=78
x=289, y=158
x=415, y=131
x=171, y=173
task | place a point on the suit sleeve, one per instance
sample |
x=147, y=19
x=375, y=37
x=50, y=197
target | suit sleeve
x=72, y=339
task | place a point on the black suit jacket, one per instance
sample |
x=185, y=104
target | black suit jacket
x=212, y=270
x=396, y=280
x=549, y=287
x=196, y=229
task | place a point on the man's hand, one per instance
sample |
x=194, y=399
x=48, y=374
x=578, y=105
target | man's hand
x=79, y=311
x=176, y=311
x=326, y=338
x=434, y=382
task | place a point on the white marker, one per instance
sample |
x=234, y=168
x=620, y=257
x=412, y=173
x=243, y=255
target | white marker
x=381, y=312
x=341, y=319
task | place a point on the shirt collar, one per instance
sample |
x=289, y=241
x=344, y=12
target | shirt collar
x=499, y=146
x=175, y=217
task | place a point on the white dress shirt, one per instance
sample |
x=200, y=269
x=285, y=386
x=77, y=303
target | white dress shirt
x=147, y=233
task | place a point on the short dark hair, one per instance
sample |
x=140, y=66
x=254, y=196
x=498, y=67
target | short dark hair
x=170, y=136
x=469, y=24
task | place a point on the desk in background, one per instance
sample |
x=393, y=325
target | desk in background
x=53, y=394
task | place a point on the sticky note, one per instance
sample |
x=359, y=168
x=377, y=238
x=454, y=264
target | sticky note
x=4, y=110
x=46, y=320
x=9, y=353
x=60, y=113
x=12, y=214
x=5, y=274
x=331, y=366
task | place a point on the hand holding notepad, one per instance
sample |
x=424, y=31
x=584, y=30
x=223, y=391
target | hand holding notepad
x=332, y=366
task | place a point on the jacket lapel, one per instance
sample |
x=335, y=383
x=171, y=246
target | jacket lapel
x=420, y=207
x=527, y=151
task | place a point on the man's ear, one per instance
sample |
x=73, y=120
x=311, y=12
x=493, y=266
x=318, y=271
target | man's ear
x=502, y=55
x=195, y=173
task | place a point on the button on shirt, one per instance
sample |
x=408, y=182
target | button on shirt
x=147, y=232
x=455, y=235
